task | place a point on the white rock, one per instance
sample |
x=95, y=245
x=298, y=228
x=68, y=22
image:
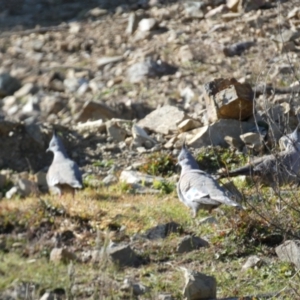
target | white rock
x=24, y=90
x=13, y=191
x=135, y=177
x=147, y=24
x=252, y=262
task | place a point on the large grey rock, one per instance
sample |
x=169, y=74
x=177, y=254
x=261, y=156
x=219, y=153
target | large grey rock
x=8, y=84
x=163, y=120
x=215, y=133
x=289, y=251
x=123, y=255
x=199, y=286
x=190, y=243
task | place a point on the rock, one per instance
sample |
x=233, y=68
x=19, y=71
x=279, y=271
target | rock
x=208, y=220
x=198, y=286
x=185, y=54
x=149, y=68
x=190, y=243
x=165, y=297
x=13, y=191
x=98, y=126
x=8, y=84
x=71, y=84
x=115, y=130
x=27, y=187
x=188, y=124
x=123, y=255
x=233, y=5
x=132, y=23
x=234, y=143
x=48, y=296
x=93, y=110
x=286, y=36
x=162, y=231
x=147, y=24
x=135, y=177
x=248, y=5
x=109, y=180
x=237, y=48
x=252, y=261
x=97, y=12
x=103, y=61
x=40, y=178
x=252, y=140
x=136, y=289
x=215, y=12
x=215, y=133
x=163, y=120
x=58, y=255
x=26, y=89
x=141, y=138
x=289, y=251
x=228, y=99
x=193, y=9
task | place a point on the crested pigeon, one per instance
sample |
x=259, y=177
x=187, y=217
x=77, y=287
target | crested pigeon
x=275, y=169
x=63, y=174
x=197, y=189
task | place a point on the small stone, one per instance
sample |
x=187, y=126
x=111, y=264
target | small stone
x=115, y=131
x=103, y=61
x=233, y=5
x=13, y=191
x=97, y=12
x=26, y=89
x=237, y=48
x=190, y=243
x=136, y=288
x=61, y=255
x=48, y=296
x=217, y=11
x=141, y=138
x=135, y=177
x=110, y=179
x=123, y=255
x=289, y=251
x=185, y=54
x=188, y=125
x=132, y=23
x=147, y=24
x=8, y=84
x=208, y=220
x=252, y=261
x=162, y=231
x=165, y=297
x=27, y=187
x=199, y=286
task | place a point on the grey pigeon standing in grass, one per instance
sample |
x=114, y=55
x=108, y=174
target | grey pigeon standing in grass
x=197, y=189
x=63, y=174
x=275, y=169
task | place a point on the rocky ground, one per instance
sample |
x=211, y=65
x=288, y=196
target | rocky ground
x=124, y=83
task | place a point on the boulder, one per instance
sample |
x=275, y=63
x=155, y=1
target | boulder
x=228, y=99
x=163, y=120
x=289, y=251
x=123, y=255
x=190, y=243
x=215, y=133
x=198, y=285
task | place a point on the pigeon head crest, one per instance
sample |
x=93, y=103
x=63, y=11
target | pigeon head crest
x=186, y=159
x=56, y=144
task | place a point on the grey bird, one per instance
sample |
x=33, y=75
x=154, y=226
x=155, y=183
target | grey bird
x=197, y=189
x=63, y=174
x=275, y=169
